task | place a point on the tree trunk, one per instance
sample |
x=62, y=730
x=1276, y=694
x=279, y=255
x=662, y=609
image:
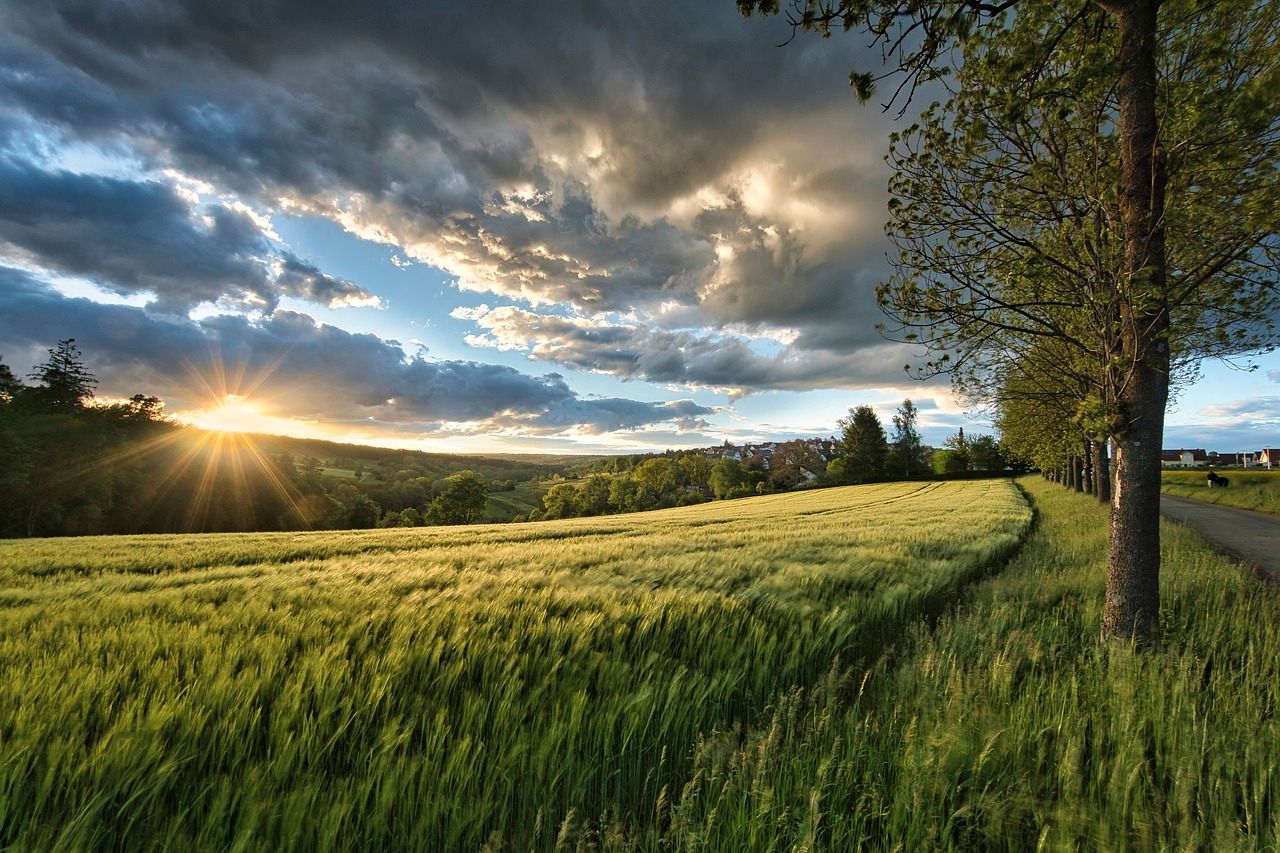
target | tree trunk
x=1101, y=472
x=1077, y=474
x=1088, y=468
x=1132, y=608
x=1111, y=446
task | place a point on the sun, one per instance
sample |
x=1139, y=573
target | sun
x=233, y=414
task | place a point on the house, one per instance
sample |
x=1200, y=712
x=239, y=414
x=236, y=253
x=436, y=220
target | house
x=1269, y=457
x=1183, y=458
x=1237, y=460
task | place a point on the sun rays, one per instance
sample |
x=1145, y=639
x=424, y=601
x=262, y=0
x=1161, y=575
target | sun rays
x=236, y=414
x=224, y=479
x=205, y=471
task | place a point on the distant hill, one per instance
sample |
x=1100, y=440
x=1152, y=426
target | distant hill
x=337, y=456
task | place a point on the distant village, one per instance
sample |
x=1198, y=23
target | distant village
x=825, y=449
x=1198, y=458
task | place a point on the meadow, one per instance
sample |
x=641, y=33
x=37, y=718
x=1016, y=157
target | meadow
x=511, y=686
x=1256, y=489
x=522, y=500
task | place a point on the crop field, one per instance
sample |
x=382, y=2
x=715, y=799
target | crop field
x=510, y=686
x=1256, y=489
x=1006, y=725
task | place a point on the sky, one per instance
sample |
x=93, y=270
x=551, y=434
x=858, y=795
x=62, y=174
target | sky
x=538, y=227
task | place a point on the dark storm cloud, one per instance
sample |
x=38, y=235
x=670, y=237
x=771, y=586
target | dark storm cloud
x=291, y=365
x=298, y=278
x=142, y=237
x=662, y=159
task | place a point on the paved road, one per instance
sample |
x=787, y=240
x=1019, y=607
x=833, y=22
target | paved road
x=1251, y=536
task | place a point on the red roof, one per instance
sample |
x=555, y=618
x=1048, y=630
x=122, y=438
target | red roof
x=1197, y=455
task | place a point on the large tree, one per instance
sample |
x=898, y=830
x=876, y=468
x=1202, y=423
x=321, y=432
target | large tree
x=864, y=450
x=1141, y=297
x=460, y=499
x=907, y=446
x=65, y=382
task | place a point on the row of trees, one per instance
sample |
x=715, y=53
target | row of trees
x=679, y=479
x=1093, y=210
x=868, y=455
x=865, y=454
x=655, y=483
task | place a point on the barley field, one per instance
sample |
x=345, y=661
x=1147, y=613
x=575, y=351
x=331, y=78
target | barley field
x=503, y=686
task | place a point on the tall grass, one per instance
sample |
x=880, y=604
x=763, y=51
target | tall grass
x=1007, y=726
x=1249, y=489
x=439, y=689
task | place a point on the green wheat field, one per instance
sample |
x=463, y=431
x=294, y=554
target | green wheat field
x=849, y=668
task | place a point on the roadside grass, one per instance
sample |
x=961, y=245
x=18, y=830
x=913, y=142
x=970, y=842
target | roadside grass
x=1007, y=726
x=1249, y=489
x=518, y=686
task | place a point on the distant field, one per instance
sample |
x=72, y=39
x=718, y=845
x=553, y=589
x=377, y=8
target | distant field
x=523, y=499
x=444, y=688
x=1250, y=489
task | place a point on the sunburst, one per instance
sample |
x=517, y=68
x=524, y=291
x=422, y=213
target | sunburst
x=216, y=474
x=234, y=414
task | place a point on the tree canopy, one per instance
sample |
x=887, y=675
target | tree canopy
x=864, y=450
x=906, y=446
x=1136, y=108
x=65, y=384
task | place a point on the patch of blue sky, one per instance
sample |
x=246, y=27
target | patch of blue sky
x=809, y=413
x=81, y=288
x=1227, y=408
x=416, y=298
x=1220, y=382
x=764, y=346
x=53, y=151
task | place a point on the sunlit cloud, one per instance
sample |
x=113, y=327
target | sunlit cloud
x=236, y=414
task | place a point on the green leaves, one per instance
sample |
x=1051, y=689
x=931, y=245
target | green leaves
x=864, y=85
